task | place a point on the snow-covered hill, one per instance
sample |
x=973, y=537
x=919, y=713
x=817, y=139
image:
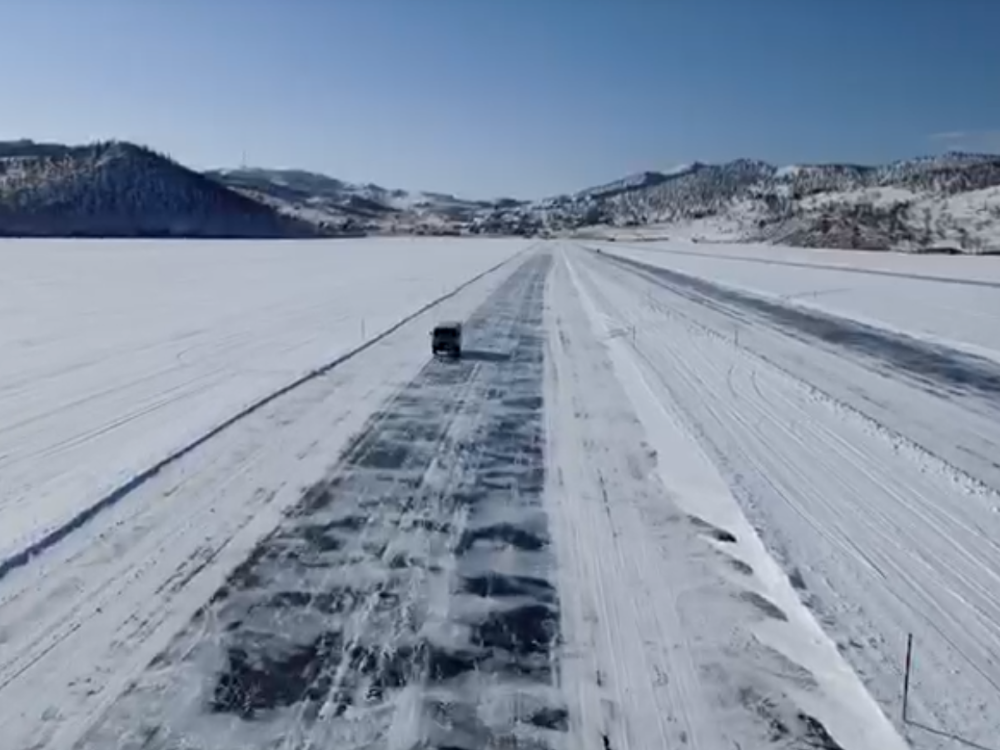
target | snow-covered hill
x=119, y=189
x=637, y=181
x=947, y=202
x=352, y=206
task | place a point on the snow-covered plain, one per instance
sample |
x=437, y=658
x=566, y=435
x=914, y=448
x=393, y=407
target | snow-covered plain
x=952, y=299
x=117, y=353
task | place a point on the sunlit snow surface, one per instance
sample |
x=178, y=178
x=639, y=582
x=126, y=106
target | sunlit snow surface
x=865, y=459
x=649, y=508
x=116, y=353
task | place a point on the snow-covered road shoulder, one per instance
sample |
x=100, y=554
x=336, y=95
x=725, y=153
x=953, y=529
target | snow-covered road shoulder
x=679, y=628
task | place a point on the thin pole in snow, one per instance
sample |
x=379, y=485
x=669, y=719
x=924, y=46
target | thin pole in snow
x=906, y=702
x=362, y=329
x=906, y=674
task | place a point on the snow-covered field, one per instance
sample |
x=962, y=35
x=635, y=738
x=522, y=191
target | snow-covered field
x=117, y=353
x=644, y=510
x=680, y=630
x=902, y=292
x=866, y=462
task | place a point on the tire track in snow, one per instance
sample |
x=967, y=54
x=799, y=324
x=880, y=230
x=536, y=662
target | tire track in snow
x=406, y=601
x=957, y=373
x=876, y=545
x=827, y=267
x=969, y=453
x=660, y=605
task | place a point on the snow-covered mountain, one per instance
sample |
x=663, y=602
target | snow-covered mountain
x=636, y=182
x=120, y=189
x=946, y=202
x=951, y=201
x=345, y=205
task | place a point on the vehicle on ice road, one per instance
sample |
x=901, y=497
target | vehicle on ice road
x=447, y=339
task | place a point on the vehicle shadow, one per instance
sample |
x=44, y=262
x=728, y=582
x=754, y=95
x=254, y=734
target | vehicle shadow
x=478, y=355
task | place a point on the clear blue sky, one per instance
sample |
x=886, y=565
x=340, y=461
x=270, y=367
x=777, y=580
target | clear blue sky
x=504, y=97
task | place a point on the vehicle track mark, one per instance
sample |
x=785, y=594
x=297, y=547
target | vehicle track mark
x=413, y=587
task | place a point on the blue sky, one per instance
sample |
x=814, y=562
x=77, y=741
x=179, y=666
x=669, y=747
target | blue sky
x=504, y=97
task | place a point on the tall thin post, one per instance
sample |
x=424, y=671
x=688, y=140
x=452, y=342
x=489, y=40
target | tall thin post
x=906, y=674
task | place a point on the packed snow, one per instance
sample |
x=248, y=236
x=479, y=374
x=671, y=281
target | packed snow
x=789, y=170
x=403, y=601
x=117, y=353
x=680, y=629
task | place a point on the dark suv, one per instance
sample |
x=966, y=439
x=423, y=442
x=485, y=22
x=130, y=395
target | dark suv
x=447, y=339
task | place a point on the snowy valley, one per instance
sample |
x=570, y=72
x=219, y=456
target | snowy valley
x=442, y=375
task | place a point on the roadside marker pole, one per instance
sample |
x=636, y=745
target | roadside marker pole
x=906, y=674
x=908, y=669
